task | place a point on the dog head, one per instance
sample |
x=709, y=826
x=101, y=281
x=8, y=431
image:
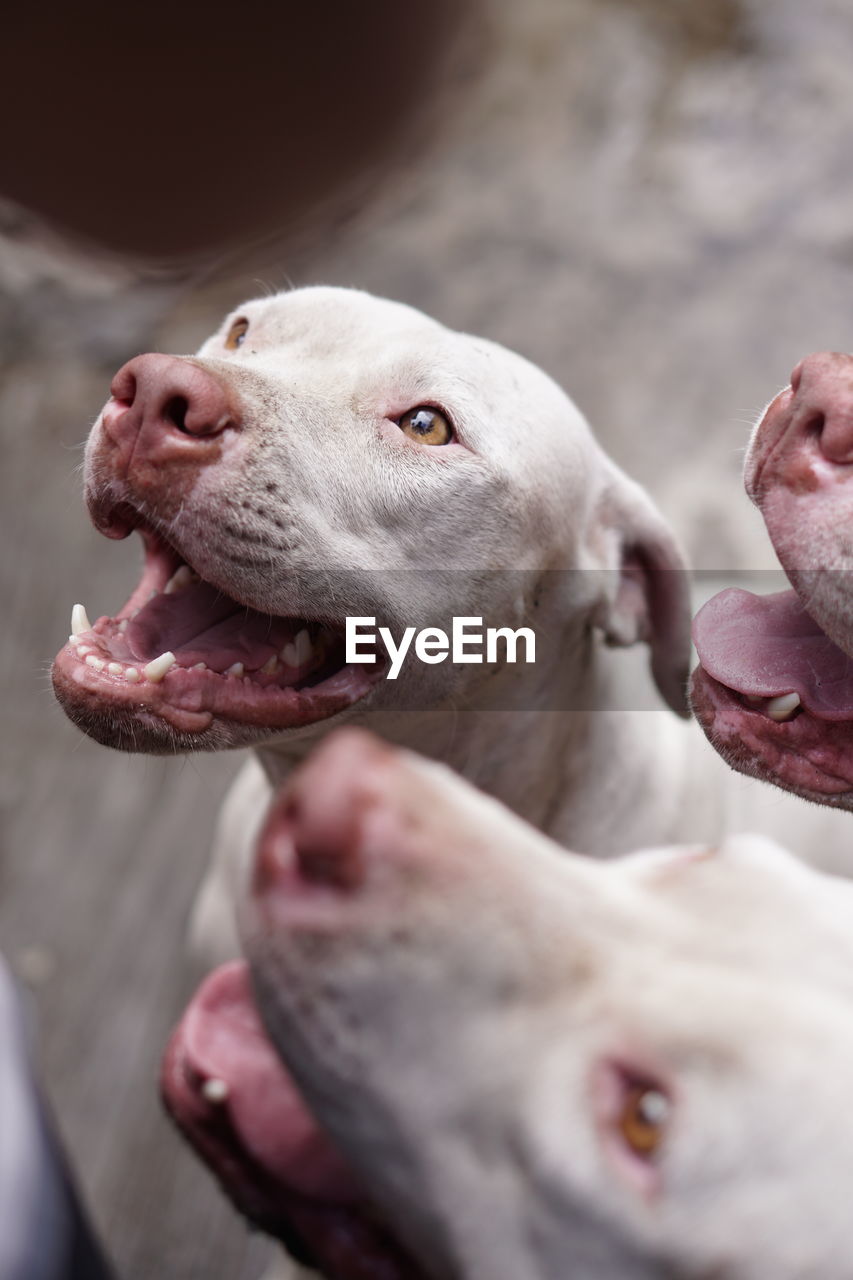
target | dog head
x=330, y=454
x=774, y=691
x=526, y=1062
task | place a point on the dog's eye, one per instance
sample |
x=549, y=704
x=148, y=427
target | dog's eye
x=237, y=333
x=426, y=425
x=644, y=1117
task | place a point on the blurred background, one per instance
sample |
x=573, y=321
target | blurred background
x=652, y=199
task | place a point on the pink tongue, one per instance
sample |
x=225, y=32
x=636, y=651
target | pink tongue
x=199, y=624
x=224, y=1039
x=766, y=645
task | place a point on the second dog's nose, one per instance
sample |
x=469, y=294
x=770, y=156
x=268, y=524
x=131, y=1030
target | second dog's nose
x=823, y=400
x=166, y=395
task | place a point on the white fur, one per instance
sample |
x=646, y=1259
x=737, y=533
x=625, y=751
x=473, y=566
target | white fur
x=318, y=375
x=450, y=1018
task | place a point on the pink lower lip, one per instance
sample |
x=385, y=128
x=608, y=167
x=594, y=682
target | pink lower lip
x=805, y=755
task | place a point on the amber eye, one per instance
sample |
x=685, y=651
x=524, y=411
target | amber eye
x=643, y=1119
x=427, y=425
x=237, y=333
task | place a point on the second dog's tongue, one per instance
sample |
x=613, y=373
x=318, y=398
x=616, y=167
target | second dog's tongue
x=225, y=1040
x=763, y=646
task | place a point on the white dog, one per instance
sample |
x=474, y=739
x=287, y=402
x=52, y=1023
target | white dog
x=330, y=454
x=775, y=688
x=507, y=1063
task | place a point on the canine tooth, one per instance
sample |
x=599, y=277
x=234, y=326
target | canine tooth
x=288, y=655
x=132, y=675
x=783, y=707
x=114, y=668
x=158, y=668
x=79, y=620
x=215, y=1091
x=304, y=648
x=97, y=663
x=122, y=626
x=270, y=666
x=181, y=578
x=236, y=669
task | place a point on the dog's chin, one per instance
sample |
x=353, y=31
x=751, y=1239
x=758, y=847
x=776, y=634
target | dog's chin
x=126, y=729
x=152, y=723
x=806, y=756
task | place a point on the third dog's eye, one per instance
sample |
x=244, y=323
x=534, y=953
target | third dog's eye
x=644, y=1117
x=426, y=425
x=237, y=333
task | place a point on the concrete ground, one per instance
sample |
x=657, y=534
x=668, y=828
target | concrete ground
x=651, y=199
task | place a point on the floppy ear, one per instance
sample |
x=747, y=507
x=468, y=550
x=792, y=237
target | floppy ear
x=647, y=596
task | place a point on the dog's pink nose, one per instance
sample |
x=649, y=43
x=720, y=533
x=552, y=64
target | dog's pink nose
x=823, y=401
x=159, y=397
x=315, y=831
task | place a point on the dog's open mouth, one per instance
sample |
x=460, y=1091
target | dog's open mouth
x=182, y=652
x=231, y=1096
x=774, y=693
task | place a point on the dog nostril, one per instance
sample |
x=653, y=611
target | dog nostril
x=815, y=424
x=175, y=411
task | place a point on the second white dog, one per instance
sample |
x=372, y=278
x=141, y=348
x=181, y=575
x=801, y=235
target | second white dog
x=505, y=1064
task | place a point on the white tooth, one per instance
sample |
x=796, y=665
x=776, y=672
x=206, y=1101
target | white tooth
x=132, y=675
x=151, y=596
x=215, y=1091
x=200, y=666
x=83, y=649
x=270, y=666
x=122, y=626
x=79, y=620
x=181, y=578
x=158, y=668
x=114, y=668
x=783, y=707
x=97, y=663
x=304, y=648
x=236, y=669
x=288, y=656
